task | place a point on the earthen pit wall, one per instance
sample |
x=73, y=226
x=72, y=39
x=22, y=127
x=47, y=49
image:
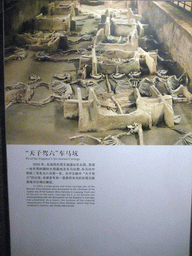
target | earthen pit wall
x=124, y=29
x=49, y=47
x=65, y=10
x=51, y=23
x=170, y=31
x=51, y=6
x=61, y=9
x=57, y=3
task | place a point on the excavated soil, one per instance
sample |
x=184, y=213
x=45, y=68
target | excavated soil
x=45, y=124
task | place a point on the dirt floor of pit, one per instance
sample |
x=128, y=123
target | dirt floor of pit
x=27, y=124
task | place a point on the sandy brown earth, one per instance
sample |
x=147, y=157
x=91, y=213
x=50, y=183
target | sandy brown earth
x=26, y=124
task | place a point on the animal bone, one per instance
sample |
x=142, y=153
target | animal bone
x=175, y=87
x=86, y=136
x=144, y=87
x=42, y=102
x=42, y=56
x=64, y=77
x=18, y=54
x=137, y=128
x=185, y=140
x=34, y=79
x=114, y=139
x=61, y=89
x=111, y=140
x=13, y=96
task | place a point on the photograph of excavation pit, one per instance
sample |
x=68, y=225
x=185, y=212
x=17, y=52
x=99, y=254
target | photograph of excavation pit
x=98, y=73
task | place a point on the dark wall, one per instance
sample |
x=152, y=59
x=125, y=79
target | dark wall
x=172, y=27
x=4, y=214
x=19, y=17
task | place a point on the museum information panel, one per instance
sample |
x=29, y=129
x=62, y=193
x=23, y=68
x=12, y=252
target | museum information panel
x=99, y=200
